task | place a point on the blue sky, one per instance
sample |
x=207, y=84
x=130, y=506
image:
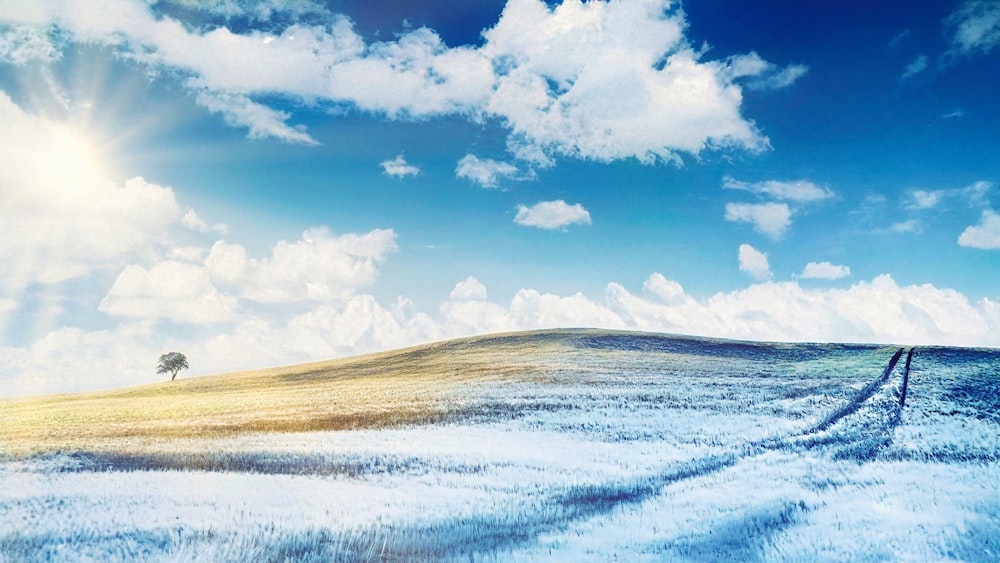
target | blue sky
x=280, y=181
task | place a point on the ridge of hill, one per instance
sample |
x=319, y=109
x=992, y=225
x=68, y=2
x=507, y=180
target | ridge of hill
x=413, y=385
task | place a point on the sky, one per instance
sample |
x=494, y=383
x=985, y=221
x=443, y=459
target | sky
x=266, y=183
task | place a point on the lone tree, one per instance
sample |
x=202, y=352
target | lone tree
x=172, y=362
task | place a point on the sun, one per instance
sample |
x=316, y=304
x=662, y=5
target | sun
x=67, y=164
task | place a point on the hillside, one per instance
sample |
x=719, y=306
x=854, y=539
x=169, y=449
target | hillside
x=410, y=386
x=571, y=445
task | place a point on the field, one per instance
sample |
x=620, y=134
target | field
x=553, y=445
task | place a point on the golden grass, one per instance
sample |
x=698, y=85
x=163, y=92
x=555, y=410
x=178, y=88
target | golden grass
x=418, y=385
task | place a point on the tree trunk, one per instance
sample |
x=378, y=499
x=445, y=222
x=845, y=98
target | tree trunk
x=173, y=376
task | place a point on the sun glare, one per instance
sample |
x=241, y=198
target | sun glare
x=69, y=163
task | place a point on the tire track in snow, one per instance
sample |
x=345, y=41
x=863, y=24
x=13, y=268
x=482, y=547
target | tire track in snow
x=585, y=501
x=854, y=404
x=906, y=378
x=860, y=429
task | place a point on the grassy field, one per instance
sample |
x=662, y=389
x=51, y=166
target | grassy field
x=418, y=385
x=552, y=445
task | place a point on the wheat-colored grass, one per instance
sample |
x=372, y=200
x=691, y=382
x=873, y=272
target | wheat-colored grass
x=418, y=385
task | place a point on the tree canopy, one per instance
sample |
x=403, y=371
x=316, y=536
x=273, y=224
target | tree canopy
x=172, y=362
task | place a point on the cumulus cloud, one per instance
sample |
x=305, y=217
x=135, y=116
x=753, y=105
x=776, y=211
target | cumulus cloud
x=754, y=262
x=552, y=215
x=484, y=171
x=974, y=27
x=192, y=221
x=179, y=291
x=399, y=168
x=553, y=76
x=469, y=288
x=985, y=235
x=563, y=71
x=876, y=311
x=60, y=216
x=668, y=291
x=916, y=67
x=361, y=324
x=319, y=266
x=771, y=219
x=532, y=309
x=799, y=191
x=825, y=271
x=71, y=359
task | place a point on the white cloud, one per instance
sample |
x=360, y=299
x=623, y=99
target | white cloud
x=415, y=76
x=261, y=121
x=7, y=305
x=578, y=60
x=399, y=168
x=800, y=191
x=924, y=199
x=23, y=44
x=879, y=311
x=193, y=254
x=985, y=235
x=555, y=77
x=916, y=67
x=772, y=219
x=468, y=311
x=764, y=75
x=552, y=215
x=825, y=271
x=484, y=171
x=908, y=226
x=469, y=289
x=668, y=291
x=319, y=266
x=532, y=309
x=60, y=216
x=179, y=291
x=359, y=325
x=977, y=193
x=608, y=81
x=261, y=10
x=974, y=27
x=71, y=359
x=192, y=221
x=461, y=317
x=754, y=262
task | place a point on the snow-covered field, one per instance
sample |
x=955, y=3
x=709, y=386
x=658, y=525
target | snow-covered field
x=612, y=446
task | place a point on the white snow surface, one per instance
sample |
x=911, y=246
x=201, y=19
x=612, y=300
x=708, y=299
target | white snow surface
x=622, y=451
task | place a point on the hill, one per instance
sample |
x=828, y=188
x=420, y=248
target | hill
x=408, y=386
x=570, y=444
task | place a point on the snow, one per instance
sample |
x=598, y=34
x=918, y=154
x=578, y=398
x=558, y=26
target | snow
x=611, y=451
